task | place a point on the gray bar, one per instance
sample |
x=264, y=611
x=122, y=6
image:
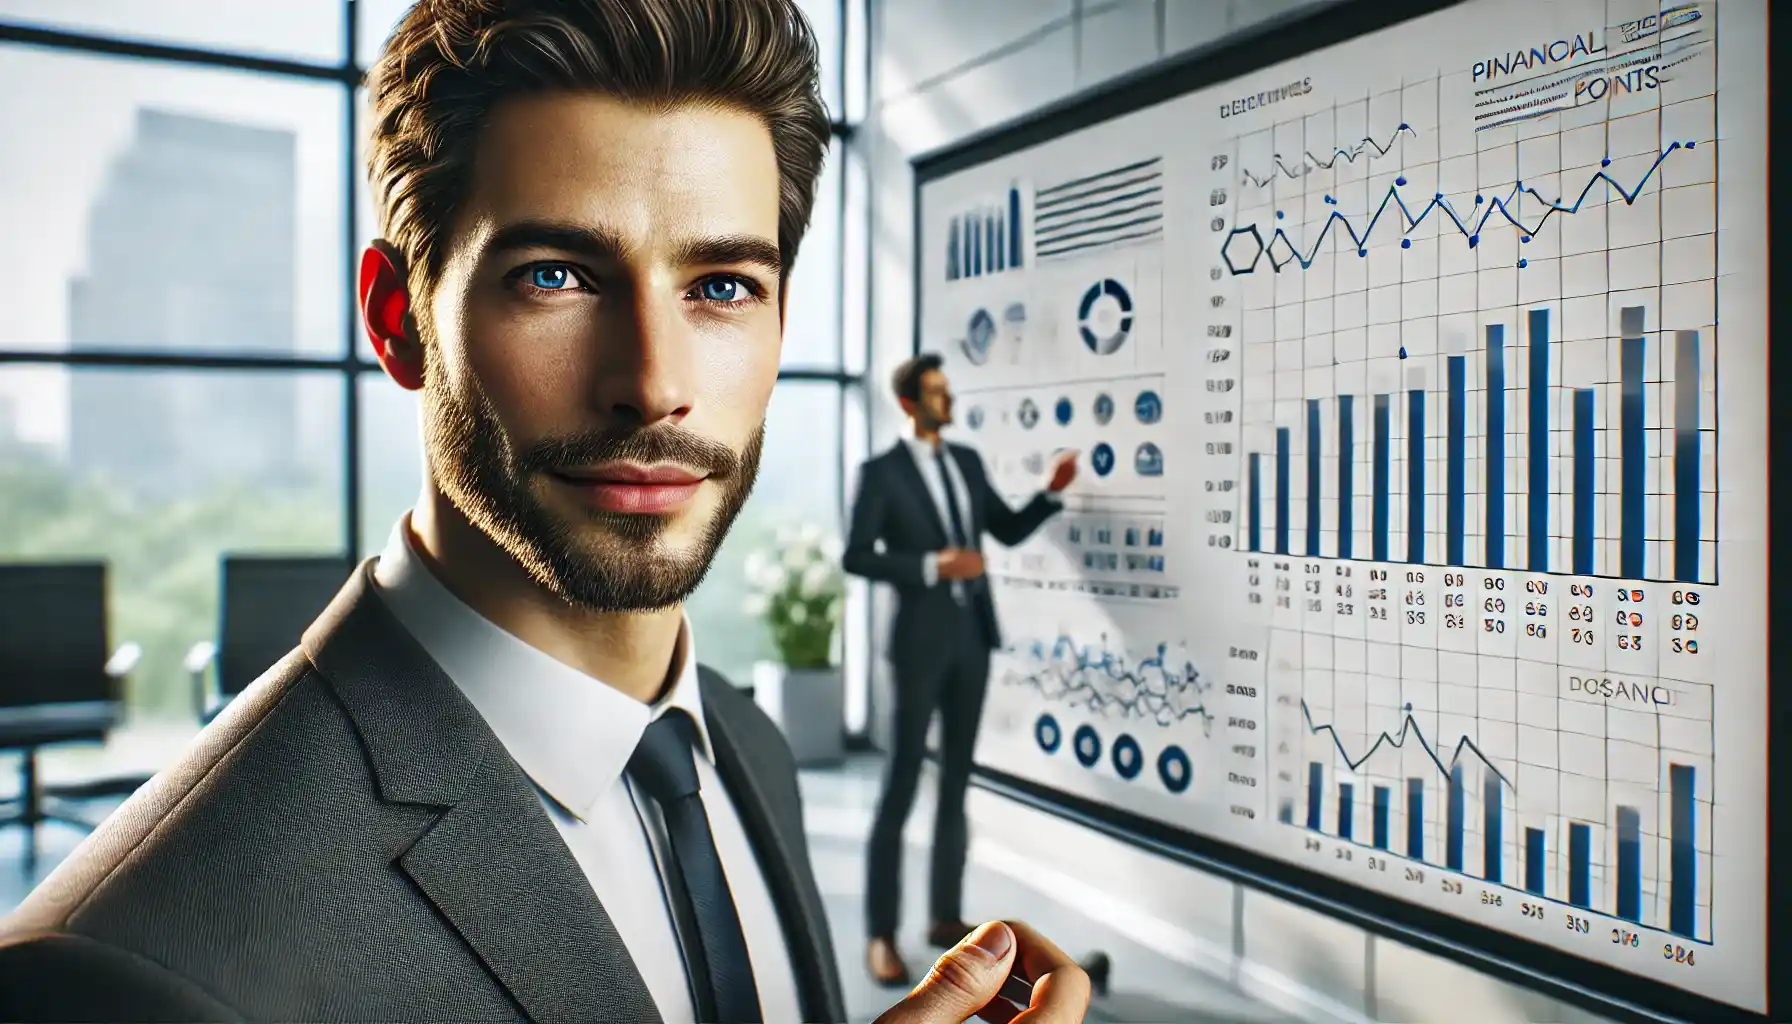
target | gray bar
x=1630, y=322
x=1686, y=381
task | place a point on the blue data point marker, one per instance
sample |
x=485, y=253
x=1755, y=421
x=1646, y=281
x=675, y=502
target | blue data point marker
x=1479, y=199
x=1523, y=264
x=1405, y=127
x=1474, y=240
x=1399, y=181
x=1524, y=238
x=1362, y=252
x=1403, y=351
x=1691, y=144
x=1607, y=162
x=1330, y=200
x=1406, y=243
x=1279, y=215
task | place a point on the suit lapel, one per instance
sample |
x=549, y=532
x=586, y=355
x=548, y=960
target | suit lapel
x=492, y=863
x=906, y=466
x=759, y=785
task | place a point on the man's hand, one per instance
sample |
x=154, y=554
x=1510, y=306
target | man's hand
x=967, y=982
x=1063, y=470
x=960, y=564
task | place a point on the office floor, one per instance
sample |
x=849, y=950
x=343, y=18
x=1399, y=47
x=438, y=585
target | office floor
x=1146, y=986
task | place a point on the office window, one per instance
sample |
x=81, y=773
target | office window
x=812, y=336
x=307, y=30
x=165, y=208
x=159, y=472
x=391, y=456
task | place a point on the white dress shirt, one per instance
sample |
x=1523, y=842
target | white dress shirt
x=927, y=459
x=573, y=736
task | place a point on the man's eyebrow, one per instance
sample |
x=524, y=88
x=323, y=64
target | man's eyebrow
x=731, y=249
x=599, y=243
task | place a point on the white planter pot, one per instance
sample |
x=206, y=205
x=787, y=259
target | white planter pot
x=809, y=705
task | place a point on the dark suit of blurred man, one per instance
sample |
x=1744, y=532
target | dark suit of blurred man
x=917, y=523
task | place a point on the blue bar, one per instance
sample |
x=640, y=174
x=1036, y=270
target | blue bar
x=973, y=240
x=1580, y=865
x=1534, y=865
x=953, y=246
x=998, y=235
x=1378, y=471
x=1346, y=466
x=1490, y=826
x=1346, y=809
x=1379, y=796
x=1630, y=865
x=1415, y=818
x=1537, y=526
x=1686, y=456
x=1315, y=793
x=1633, y=460
x=1253, y=512
x=1415, y=477
x=1285, y=813
x=1014, y=248
x=1456, y=463
x=1585, y=488
x=1313, y=468
x=1495, y=526
x=1282, y=490
x=1453, y=822
x=1682, y=852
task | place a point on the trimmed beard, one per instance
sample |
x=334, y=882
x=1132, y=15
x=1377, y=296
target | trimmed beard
x=602, y=561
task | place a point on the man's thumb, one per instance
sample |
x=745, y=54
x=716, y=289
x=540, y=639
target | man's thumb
x=961, y=982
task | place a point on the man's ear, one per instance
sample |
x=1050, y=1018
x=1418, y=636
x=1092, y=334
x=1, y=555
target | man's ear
x=386, y=311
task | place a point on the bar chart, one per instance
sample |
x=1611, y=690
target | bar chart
x=1620, y=831
x=1610, y=476
x=986, y=240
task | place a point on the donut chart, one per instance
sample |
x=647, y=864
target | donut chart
x=1047, y=734
x=1087, y=743
x=1104, y=317
x=1128, y=758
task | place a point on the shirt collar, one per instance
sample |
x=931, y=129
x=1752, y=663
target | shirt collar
x=571, y=734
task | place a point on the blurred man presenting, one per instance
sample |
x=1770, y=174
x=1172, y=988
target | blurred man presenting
x=917, y=523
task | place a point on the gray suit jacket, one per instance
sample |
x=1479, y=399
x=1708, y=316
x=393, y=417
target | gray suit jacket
x=350, y=841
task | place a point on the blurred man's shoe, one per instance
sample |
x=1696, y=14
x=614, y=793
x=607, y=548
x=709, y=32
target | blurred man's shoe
x=946, y=934
x=885, y=964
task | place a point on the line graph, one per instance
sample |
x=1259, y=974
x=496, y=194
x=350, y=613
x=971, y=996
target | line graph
x=1408, y=726
x=1162, y=688
x=1242, y=257
x=1311, y=163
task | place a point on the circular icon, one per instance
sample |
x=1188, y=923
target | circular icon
x=1047, y=734
x=1064, y=411
x=1173, y=768
x=1101, y=457
x=1148, y=407
x=1127, y=757
x=1149, y=460
x=980, y=336
x=1029, y=413
x=1088, y=745
x=1104, y=408
x=974, y=417
x=1034, y=463
x=1105, y=316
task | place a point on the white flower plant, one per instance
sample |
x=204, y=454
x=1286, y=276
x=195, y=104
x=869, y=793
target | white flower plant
x=798, y=588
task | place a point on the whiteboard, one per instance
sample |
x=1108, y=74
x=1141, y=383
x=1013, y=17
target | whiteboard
x=1419, y=534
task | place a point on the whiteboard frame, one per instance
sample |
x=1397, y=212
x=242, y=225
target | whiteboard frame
x=1615, y=993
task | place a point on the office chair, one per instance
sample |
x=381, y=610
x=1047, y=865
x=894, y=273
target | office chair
x=265, y=604
x=59, y=683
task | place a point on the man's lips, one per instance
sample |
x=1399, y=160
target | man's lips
x=628, y=488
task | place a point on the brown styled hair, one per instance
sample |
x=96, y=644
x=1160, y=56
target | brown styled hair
x=450, y=62
x=905, y=381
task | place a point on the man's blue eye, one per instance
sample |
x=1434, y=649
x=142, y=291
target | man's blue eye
x=550, y=278
x=722, y=289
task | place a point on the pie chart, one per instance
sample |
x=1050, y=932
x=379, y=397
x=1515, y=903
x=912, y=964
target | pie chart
x=1105, y=317
x=980, y=335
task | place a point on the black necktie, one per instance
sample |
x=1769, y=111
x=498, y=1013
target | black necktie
x=662, y=766
x=960, y=536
